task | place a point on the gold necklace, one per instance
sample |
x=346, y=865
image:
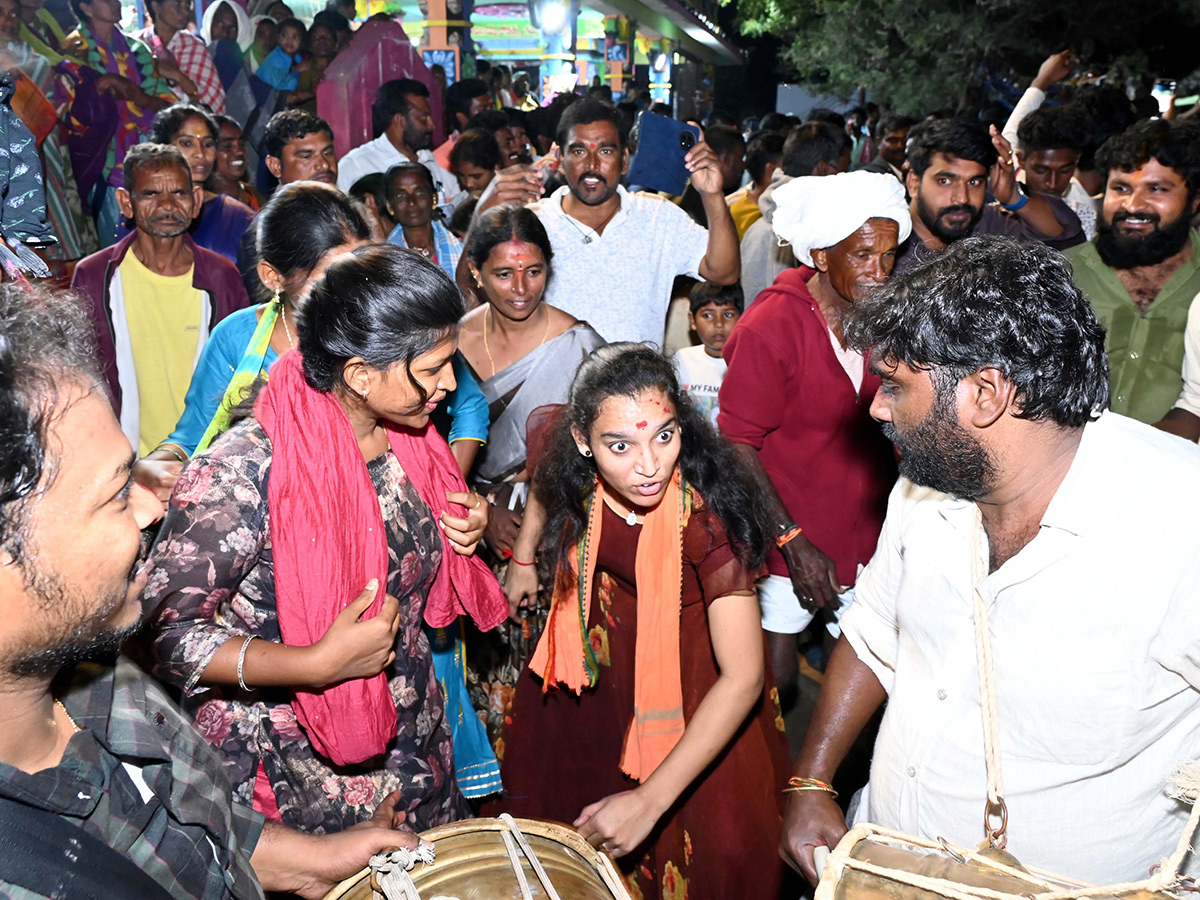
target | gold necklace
x=74, y=724
x=286, y=331
x=487, y=312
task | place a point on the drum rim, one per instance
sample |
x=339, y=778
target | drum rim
x=543, y=828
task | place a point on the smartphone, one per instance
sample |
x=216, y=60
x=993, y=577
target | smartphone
x=662, y=145
x=1163, y=92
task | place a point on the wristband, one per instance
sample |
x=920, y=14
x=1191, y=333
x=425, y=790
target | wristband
x=1022, y=199
x=519, y=563
x=788, y=535
x=242, y=662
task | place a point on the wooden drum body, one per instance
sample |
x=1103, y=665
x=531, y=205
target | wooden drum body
x=873, y=863
x=473, y=863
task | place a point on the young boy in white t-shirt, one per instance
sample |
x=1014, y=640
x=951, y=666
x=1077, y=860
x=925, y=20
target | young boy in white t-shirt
x=715, y=309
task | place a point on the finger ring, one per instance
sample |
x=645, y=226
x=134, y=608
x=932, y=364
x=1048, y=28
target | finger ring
x=604, y=846
x=478, y=502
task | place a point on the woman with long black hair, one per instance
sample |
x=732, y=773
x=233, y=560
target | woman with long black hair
x=305, y=548
x=665, y=745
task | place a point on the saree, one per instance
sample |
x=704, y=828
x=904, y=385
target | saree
x=538, y=379
x=541, y=378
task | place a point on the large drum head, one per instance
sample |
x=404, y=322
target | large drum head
x=473, y=864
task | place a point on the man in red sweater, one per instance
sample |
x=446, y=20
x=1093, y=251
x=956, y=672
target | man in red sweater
x=796, y=401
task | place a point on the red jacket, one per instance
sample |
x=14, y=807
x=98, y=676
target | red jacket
x=212, y=273
x=787, y=395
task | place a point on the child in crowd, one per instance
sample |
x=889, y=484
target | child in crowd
x=715, y=309
x=283, y=65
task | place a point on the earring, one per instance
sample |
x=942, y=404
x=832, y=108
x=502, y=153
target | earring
x=587, y=453
x=275, y=296
x=364, y=394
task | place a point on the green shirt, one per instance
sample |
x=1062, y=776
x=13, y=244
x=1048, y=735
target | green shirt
x=1145, y=348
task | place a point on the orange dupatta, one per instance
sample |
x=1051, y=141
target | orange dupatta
x=564, y=655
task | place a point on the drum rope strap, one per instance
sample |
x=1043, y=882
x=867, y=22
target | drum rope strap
x=995, y=806
x=534, y=862
x=391, y=871
x=1186, y=780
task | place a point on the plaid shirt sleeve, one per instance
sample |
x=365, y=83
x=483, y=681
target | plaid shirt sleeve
x=196, y=63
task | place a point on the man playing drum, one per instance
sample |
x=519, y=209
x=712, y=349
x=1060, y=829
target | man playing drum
x=1080, y=523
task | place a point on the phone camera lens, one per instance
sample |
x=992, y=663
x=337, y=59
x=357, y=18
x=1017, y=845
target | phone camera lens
x=687, y=140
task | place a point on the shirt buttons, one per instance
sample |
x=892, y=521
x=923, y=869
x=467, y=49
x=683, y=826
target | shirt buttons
x=1121, y=398
x=1133, y=355
x=912, y=772
x=941, y=695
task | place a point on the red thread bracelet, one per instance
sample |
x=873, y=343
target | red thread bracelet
x=519, y=563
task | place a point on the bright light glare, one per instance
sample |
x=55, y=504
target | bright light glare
x=554, y=17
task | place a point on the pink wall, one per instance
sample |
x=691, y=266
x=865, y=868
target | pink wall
x=379, y=52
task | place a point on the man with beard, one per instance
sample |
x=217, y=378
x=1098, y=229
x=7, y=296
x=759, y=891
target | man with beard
x=106, y=789
x=1142, y=270
x=994, y=391
x=952, y=164
x=402, y=122
x=617, y=254
x=155, y=296
x=795, y=391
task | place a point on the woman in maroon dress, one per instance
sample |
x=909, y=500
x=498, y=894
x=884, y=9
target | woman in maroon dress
x=648, y=717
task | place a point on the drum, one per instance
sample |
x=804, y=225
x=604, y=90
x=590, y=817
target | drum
x=873, y=863
x=473, y=862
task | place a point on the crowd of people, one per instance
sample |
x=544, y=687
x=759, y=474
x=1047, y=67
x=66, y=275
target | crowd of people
x=424, y=482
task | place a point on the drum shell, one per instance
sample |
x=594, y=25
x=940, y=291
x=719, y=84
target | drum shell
x=473, y=864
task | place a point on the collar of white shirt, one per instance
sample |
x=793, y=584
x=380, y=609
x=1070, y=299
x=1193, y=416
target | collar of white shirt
x=556, y=205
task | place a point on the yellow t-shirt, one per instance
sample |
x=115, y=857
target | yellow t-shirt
x=745, y=212
x=164, y=314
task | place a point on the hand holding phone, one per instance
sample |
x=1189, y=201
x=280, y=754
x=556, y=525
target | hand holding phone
x=664, y=144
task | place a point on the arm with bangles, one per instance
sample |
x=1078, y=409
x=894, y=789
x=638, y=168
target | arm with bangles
x=621, y=822
x=850, y=695
x=521, y=577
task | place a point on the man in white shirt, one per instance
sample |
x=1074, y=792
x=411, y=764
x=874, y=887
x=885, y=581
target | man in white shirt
x=995, y=393
x=616, y=254
x=403, y=125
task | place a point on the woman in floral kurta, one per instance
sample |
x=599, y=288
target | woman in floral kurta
x=212, y=572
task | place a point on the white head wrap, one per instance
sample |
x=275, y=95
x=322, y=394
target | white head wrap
x=818, y=211
x=245, y=31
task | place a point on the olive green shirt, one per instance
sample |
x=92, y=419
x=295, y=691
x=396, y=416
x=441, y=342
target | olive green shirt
x=1145, y=348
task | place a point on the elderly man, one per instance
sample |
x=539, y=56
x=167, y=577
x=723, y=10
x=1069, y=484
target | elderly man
x=795, y=397
x=155, y=296
x=106, y=789
x=1008, y=518
x=813, y=149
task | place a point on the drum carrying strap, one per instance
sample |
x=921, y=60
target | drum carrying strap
x=52, y=857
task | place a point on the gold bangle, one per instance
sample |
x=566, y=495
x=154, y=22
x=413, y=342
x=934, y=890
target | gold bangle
x=811, y=787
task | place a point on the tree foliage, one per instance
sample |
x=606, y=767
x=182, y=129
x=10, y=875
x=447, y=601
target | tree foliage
x=919, y=55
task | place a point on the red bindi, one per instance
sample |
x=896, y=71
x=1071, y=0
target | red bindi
x=642, y=425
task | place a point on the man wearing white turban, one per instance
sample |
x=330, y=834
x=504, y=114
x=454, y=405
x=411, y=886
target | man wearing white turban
x=795, y=401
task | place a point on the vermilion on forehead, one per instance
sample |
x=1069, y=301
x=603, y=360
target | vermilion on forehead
x=518, y=253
